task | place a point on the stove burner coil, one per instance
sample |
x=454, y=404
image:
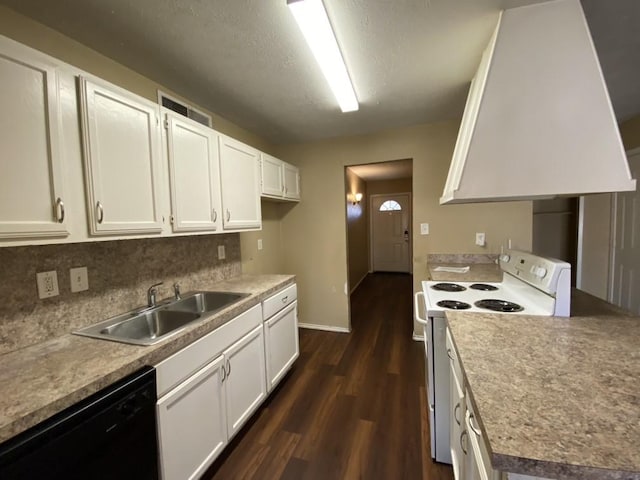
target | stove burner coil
x=448, y=287
x=499, y=305
x=484, y=287
x=453, y=304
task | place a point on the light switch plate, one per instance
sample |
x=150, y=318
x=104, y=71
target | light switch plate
x=259, y=244
x=480, y=239
x=424, y=229
x=47, y=284
x=79, y=279
x=221, y=253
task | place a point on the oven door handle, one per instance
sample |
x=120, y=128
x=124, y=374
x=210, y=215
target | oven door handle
x=416, y=302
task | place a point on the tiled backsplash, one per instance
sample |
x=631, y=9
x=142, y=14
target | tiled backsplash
x=119, y=274
x=463, y=258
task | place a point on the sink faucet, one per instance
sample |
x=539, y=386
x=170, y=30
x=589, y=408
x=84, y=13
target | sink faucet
x=176, y=290
x=151, y=294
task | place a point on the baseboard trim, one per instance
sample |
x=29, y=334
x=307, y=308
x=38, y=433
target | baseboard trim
x=418, y=338
x=358, y=284
x=327, y=328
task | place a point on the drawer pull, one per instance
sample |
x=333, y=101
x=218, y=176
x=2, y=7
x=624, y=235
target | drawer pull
x=462, y=435
x=455, y=413
x=285, y=298
x=59, y=210
x=449, y=353
x=475, y=429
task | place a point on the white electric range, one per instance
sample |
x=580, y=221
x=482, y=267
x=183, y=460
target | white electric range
x=531, y=285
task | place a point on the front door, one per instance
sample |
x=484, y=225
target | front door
x=626, y=249
x=390, y=235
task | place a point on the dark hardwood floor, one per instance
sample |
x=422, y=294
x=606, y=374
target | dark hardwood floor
x=353, y=406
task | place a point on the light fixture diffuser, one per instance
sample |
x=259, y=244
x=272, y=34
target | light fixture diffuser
x=314, y=23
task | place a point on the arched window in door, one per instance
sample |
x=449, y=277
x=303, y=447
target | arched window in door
x=390, y=206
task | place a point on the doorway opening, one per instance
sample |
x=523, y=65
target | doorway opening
x=379, y=219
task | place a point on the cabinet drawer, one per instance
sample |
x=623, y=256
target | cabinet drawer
x=184, y=363
x=477, y=443
x=453, y=358
x=277, y=302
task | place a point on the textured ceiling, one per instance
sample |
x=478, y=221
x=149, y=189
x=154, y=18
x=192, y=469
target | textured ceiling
x=411, y=61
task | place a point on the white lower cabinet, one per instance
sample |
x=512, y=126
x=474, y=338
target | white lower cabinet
x=281, y=342
x=280, y=312
x=208, y=390
x=244, y=385
x=458, y=439
x=192, y=423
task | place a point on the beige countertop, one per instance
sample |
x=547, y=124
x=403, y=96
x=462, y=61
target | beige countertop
x=556, y=397
x=478, y=272
x=41, y=380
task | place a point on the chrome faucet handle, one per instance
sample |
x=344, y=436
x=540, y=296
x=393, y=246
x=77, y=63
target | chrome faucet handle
x=151, y=294
x=176, y=290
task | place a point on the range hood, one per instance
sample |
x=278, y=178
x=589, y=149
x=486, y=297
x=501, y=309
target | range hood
x=538, y=122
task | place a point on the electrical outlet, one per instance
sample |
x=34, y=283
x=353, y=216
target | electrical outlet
x=221, y=253
x=480, y=239
x=79, y=279
x=424, y=229
x=47, y=284
x=259, y=244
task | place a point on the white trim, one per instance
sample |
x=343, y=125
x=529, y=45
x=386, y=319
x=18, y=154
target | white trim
x=613, y=232
x=580, y=248
x=358, y=284
x=409, y=227
x=417, y=338
x=327, y=328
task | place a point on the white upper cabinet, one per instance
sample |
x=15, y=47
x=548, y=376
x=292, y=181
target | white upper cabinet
x=31, y=170
x=240, y=177
x=280, y=180
x=194, y=172
x=121, y=140
x=291, y=182
x=272, y=176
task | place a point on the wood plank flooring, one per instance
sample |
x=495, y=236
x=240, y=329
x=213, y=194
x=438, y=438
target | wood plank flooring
x=353, y=406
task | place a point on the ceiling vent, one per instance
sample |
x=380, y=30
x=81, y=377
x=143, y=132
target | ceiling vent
x=184, y=109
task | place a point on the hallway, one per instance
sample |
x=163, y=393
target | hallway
x=353, y=406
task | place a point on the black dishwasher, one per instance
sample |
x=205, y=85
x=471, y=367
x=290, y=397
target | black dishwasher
x=109, y=435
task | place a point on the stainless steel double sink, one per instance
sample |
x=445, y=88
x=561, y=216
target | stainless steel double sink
x=151, y=325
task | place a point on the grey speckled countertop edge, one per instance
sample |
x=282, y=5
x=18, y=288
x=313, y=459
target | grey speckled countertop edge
x=39, y=381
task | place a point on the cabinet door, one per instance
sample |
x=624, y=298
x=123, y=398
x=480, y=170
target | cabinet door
x=457, y=425
x=192, y=424
x=121, y=148
x=272, y=176
x=281, y=341
x=240, y=177
x=245, y=386
x=291, y=182
x=194, y=173
x=31, y=187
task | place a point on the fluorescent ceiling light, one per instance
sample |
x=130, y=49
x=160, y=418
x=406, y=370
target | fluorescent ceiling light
x=313, y=21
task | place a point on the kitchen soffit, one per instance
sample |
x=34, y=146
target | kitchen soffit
x=411, y=61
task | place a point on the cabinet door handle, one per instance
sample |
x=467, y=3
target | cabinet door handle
x=223, y=375
x=228, y=368
x=59, y=210
x=449, y=354
x=285, y=298
x=228, y=215
x=475, y=429
x=462, y=435
x=215, y=215
x=100, y=212
x=455, y=413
